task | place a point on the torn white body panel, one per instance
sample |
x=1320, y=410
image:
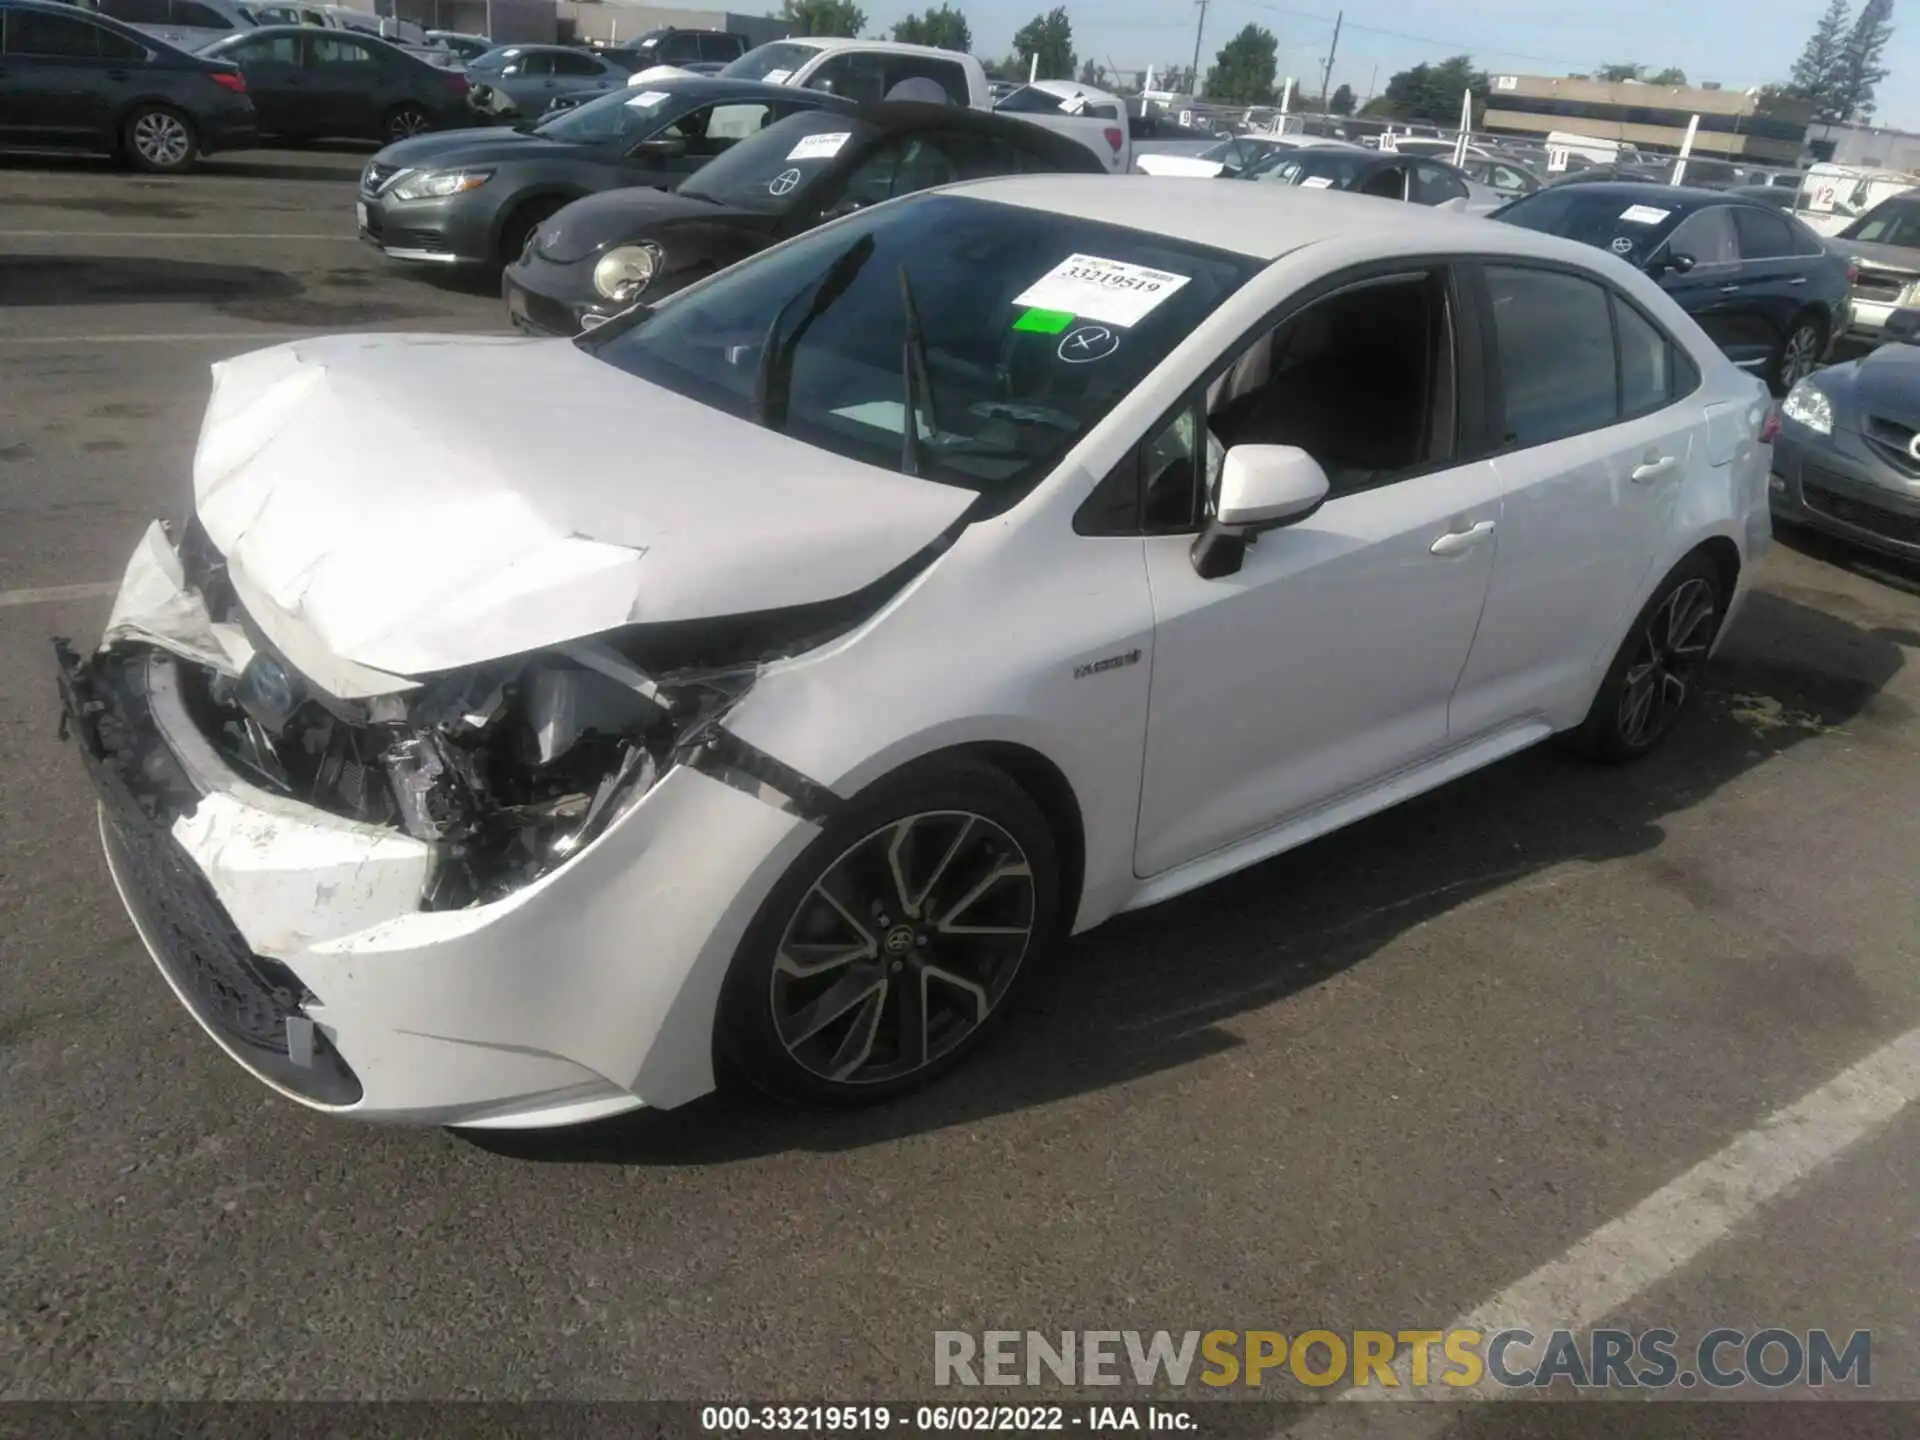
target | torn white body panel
x=154, y=604
x=366, y=515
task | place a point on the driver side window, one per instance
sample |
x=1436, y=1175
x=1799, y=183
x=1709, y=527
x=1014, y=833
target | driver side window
x=1706, y=235
x=1387, y=184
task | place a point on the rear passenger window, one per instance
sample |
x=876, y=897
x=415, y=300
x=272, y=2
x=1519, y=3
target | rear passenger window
x=34, y=32
x=1646, y=362
x=945, y=73
x=1763, y=235
x=1555, y=341
x=118, y=47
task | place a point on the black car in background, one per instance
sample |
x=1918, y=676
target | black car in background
x=308, y=83
x=603, y=254
x=471, y=197
x=1760, y=283
x=74, y=81
x=1847, y=459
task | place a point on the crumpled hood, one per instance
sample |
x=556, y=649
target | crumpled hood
x=412, y=503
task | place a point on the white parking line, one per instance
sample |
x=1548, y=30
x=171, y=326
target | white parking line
x=1671, y=1227
x=48, y=594
x=167, y=235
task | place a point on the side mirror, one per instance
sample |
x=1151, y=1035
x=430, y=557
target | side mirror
x=665, y=148
x=1262, y=487
x=1679, y=262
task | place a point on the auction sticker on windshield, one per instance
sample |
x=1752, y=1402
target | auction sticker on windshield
x=1093, y=288
x=1317, y=182
x=820, y=147
x=1644, y=214
x=647, y=99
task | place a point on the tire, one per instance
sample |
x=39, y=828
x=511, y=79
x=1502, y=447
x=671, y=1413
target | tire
x=1797, y=354
x=520, y=226
x=159, y=140
x=403, y=122
x=1651, y=678
x=947, y=873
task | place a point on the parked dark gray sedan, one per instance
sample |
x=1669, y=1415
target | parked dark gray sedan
x=471, y=197
x=1847, y=459
x=519, y=81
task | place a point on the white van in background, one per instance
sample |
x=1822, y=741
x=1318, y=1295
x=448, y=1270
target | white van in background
x=1833, y=196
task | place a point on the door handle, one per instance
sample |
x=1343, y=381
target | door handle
x=1729, y=289
x=1454, y=542
x=1798, y=280
x=1653, y=467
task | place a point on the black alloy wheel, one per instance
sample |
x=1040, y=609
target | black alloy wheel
x=894, y=942
x=1652, y=677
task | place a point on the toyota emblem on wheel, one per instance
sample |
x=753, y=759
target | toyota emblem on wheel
x=783, y=183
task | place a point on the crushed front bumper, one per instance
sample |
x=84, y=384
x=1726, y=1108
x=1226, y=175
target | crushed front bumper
x=297, y=940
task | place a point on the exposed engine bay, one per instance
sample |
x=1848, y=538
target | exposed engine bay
x=507, y=768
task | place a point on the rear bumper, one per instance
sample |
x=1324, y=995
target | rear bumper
x=1867, y=318
x=236, y=132
x=1823, y=484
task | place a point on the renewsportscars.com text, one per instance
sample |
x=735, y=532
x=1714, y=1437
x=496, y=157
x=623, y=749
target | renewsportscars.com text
x=1458, y=1359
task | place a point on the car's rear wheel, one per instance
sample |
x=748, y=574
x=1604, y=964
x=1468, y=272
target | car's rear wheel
x=894, y=943
x=159, y=139
x=1798, y=353
x=403, y=122
x=1652, y=676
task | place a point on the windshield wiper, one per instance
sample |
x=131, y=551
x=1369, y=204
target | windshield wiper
x=919, y=383
x=775, y=376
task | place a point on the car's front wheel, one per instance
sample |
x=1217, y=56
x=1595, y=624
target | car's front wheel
x=895, y=941
x=1652, y=676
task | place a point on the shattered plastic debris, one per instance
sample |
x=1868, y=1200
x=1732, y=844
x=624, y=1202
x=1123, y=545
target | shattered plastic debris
x=155, y=605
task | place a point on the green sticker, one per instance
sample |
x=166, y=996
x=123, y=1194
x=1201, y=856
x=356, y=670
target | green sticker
x=1044, y=322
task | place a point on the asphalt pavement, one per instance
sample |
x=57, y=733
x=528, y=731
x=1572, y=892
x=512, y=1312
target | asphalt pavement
x=1470, y=1049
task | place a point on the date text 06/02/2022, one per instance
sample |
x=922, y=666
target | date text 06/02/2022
x=941, y=1419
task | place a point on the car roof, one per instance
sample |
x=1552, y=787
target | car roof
x=726, y=87
x=1670, y=197
x=1262, y=221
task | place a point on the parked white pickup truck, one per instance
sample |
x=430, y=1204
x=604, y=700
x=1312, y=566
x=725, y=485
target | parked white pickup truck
x=884, y=69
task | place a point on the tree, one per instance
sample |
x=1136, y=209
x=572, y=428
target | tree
x=1094, y=75
x=1242, y=72
x=1049, y=36
x=1860, y=70
x=1431, y=92
x=1672, y=75
x=941, y=26
x=1817, y=70
x=1614, y=74
x=824, y=17
x=1342, y=102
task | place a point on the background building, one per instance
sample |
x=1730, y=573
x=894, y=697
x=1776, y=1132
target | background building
x=1865, y=145
x=1734, y=124
x=613, y=23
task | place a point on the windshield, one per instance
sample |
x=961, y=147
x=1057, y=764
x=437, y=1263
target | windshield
x=771, y=173
x=1631, y=228
x=1313, y=169
x=621, y=118
x=1034, y=326
x=1891, y=222
x=494, y=59
x=771, y=63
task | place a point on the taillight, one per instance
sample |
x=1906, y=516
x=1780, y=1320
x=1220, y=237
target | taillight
x=229, y=80
x=1115, y=137
x=1853, y=273
x=1770, y=427
x=457, y=84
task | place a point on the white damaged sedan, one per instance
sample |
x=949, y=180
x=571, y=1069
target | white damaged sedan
x=525, y=731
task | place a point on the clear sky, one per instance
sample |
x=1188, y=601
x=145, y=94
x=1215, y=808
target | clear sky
x=1737, y=42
